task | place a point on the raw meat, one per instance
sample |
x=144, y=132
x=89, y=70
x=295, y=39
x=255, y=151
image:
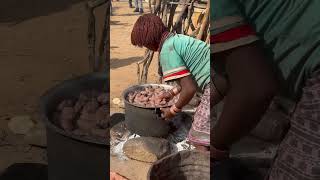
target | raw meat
x=150, y=97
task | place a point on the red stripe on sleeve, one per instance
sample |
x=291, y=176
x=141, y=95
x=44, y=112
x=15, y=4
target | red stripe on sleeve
x=232, y=34
x=177, y=73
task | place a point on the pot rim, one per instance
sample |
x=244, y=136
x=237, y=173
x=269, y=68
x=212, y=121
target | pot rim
x=135, y=87
x=55, y=128
x=197, y=152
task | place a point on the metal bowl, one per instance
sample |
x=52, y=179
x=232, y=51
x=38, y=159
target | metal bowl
x=145, y=121
x=141, y=87
x=183, y=165
x=71, y=156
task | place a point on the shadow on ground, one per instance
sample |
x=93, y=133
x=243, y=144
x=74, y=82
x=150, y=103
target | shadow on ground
x=117, y=63
x=17, y=11
x=118, y=23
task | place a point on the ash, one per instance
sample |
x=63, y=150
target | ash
x=180, y=126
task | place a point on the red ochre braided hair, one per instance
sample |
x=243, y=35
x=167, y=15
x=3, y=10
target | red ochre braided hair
x=147, y=30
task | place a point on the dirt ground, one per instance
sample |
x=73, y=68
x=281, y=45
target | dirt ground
x=124, y=56
x=42, y=44
x=123, y=73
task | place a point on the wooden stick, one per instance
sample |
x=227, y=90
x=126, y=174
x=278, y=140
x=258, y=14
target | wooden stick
x=188, y=4
x=204, y=23
x=208, y=37
x=146, y=57
x=146, y=68
x=157, y=7
x=150, y=7
x=171, y=16
x=180, y=16
x=165, y=13
x=190, y=12
x=161, y=9
x=196, y=31
x=203, y=28
x=191, y=25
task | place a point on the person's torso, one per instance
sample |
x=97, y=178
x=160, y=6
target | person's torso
x=194, y=53
x=290, y=31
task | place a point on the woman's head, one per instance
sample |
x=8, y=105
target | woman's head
x=147, y=31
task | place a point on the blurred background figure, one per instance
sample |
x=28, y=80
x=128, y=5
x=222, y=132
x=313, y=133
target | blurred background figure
x=130, y=4
x=138, y=6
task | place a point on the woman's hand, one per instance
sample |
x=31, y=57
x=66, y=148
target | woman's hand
x=166, y=113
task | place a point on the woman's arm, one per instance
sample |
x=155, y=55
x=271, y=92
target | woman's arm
x=188, y=89
x=252, y=87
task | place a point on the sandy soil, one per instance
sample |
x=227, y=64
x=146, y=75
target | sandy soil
x=124, y=56
x=42, y=43
x=123, y=73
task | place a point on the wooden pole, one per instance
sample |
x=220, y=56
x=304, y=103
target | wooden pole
x=204, y=23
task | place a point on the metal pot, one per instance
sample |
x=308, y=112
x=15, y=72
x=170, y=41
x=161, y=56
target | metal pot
x=71, y=156
x=183, y=165
x=145, y=121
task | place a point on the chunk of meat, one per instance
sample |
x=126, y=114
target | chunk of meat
x=85, y=124
x=91, y=106
x=79, y=105
x=65, y=103
x=149, y=97
x=103, y=98
x=102, y=117
x=66, y=118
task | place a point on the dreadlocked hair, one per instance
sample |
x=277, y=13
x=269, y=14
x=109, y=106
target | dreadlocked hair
x=147, y=30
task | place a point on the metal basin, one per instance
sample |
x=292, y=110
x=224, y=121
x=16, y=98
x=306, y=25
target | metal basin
x=71, y=156
x=184, y=165
x=145, y=121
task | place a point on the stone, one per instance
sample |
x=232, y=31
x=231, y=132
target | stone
x=146, y=149
x=37, y=136
x=119, y=132
x=116, y=101
x=20, y=124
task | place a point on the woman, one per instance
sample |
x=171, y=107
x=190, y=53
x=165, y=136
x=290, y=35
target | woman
x=185, y=60
x=285, y=58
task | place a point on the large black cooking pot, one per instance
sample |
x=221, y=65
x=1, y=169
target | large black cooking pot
x=71, y=157
x=196, y=165
x=145, y=121
x=183, y=165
